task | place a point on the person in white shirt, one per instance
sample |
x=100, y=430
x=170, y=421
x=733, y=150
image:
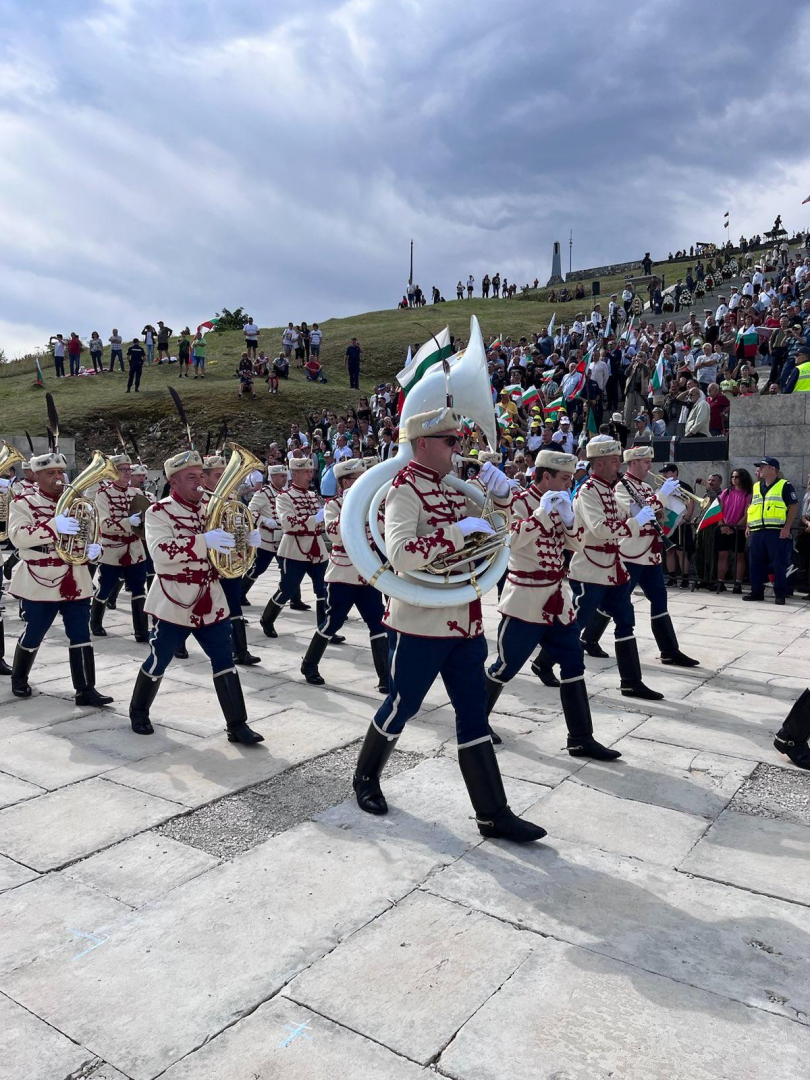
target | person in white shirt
x=315, y=339
x=599, y=371
x=564, y=438
x=296, y=433
x=758, y=278
x=802, y=271
x=288, y=339
x=577, y=326
x=342, y=449
x=697, y=422
x=722, y=310
x=251, y=332
x=734, y=302
x=748, y=288
x=596, y=317
x=627, y=299
x=659, y=424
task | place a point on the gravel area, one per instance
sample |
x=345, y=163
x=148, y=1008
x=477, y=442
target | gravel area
x=776, y=793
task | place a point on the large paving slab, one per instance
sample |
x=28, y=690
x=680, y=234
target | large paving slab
x=13, y=790
x=655, y=833
x=142, y=868
x=51, y=762
x=28, y=714
x=431, y=965
x=242, y=930
x=283, y=1041
x=66, y=824
x=13, y=873
x=31, y=1050
x=755, y=853
x=569, y=1013
x=729, y=941
x=715, y=732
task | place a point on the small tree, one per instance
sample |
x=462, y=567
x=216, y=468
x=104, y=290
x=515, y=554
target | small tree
x=231, y=320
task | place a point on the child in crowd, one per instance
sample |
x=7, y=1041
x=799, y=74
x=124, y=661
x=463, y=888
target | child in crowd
x=245, y=373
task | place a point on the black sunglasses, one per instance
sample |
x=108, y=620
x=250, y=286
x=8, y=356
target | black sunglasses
x=451, y=440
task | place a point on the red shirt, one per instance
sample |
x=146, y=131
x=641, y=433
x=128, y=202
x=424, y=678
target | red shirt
x=717, y=406
x=74, y=346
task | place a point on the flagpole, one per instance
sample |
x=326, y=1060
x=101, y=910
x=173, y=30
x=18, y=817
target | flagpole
x=410, y=279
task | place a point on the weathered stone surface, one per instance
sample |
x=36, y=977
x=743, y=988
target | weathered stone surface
x=143, y=868
x=242, y=930
x=13, y=790
x=66, y=824
x=755, y=853
x=49, y=916
x=729, y=941
x=574, y=812
x=13, y=873
x=571, y=1013
x=283, y=1041
x=713, y=731
x=18, y=714
x=31, y=1050
x=50, y=762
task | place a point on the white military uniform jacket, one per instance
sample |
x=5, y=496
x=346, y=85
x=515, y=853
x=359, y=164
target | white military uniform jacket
x=341, y=568
x=186, y=589
x=302, y=538
x=536, y=588
x=604, y=526
x=41, y=574
x=120, y=545
x=420, y=517
x=263, y=505
x=644, y=549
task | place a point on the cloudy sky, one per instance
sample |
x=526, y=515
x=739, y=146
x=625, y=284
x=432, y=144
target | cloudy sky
x=160, y=160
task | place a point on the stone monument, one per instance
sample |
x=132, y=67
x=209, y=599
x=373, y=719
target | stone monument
x=556, y=266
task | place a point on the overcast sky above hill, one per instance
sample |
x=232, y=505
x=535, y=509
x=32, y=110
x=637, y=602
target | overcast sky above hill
x=160, y=159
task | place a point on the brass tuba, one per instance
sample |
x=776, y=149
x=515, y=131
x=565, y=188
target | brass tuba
x=230, y=514
x=8, y=459
x=74, y=503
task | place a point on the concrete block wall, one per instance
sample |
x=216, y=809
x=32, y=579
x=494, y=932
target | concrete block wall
x=67, y=446
x=774, y=426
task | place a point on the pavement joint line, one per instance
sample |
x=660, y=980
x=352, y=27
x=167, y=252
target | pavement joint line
x=96, y=1059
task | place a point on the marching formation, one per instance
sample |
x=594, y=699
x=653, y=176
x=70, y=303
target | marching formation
x=404, y=542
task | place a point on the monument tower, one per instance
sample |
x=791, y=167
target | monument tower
x=556, y=267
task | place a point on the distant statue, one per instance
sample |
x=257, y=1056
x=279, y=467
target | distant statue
x=777, y=225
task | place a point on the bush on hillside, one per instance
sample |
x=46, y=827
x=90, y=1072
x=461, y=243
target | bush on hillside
x=231, y=320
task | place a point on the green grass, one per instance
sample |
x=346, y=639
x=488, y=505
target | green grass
x=89, y=407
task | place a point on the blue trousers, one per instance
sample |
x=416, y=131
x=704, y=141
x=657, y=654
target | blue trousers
x=214, y=640
x=612, y=600
x=765, y=547
x=134, y=578
x=260, y=564
x=39, y=615
x=518, y=639
x=292, y=574
x=341, y=598
x=415, y=663
x=232, y=587
x=651, y=581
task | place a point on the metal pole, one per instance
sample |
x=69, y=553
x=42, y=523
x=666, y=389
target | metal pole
x=570, y=249
x=410, y=279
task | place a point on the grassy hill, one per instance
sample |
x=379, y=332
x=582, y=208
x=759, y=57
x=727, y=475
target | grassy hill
x=89, y=407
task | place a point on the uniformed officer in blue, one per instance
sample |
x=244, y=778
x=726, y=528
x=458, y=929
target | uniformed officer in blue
x=773, y=509
x=425, y=518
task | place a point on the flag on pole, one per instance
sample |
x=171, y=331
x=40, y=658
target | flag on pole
x=40, y=377
x=554, y=407
x=548, y=375
x=502, y=419
x=550, y=330
x=467, y=425
x=209, y=324
x=530, y=396
x=627, y=330
x=713, y=515
x=432, y=352
x=573, y=386
x=657, y=381
x=496, y=344
x=515, y=390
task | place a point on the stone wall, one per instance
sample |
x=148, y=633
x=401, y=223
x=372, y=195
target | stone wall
x=776, y=426
x=67, y=446
x=603, y=271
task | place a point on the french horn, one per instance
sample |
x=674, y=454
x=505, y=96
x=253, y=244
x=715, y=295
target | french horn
x=464, y=581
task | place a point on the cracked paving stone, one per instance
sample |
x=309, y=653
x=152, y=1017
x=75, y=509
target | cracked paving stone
x=238, y=822
x=782, y=794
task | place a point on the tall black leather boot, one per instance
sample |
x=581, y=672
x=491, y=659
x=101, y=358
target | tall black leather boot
x=240, y=645
x=9, y=564
x=143, y=694
x=379, y=654
x=593, y=635
x=247, y=585
x=630, y=671
x=140, y=624
x=374, y=754
x=667, y=642
x=4, y=668
x=312, y=657
x=479, y=767
x=494, y=690
x=112, y=599
x=544, y=669
x=320, y=619
x=791, y=738
x=97, y=618
x=269, y=615
x=83, y=674
x=577, y=712
x=20, y=670
x=232, y=703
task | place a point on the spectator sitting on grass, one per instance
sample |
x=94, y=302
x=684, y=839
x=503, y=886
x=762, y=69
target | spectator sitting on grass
x=314, y=370
x=245, y=373
x=281, y=366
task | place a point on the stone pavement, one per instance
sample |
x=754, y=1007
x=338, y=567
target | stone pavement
x=181, y=907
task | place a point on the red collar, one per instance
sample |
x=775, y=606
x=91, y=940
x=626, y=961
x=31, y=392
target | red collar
x=423, y=470
x=599, y=480
x=182, y=502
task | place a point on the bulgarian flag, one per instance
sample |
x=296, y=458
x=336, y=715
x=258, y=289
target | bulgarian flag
x=496, y=344
x=657, y=381
x=554, y=407
x=432, y=352
x=713, y=515
x=515, y=390
x=530, y=396
x=549, y=375
x=576, y=387
x=467, y=425
x=209, y=324
x=502, y=419
x=40, y=377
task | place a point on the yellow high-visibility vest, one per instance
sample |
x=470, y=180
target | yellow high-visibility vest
x=803, y=384
x=768, y=511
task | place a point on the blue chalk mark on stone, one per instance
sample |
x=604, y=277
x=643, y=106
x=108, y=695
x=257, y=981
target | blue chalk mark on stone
x=295, y=1032
x=89, y=937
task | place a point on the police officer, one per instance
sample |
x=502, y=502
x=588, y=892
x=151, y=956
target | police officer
x=773, y=509
x=798, y=381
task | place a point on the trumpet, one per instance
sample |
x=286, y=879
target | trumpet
x=655, y=481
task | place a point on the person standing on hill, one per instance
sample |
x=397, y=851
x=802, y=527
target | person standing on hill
x=251, y=332
x=184, y=353
x=163, y=335
x=135, y=356
x=198, y=352
x=116, y=349
x=315, y=339
x=149, y=334
x=74, y=348
x=57, y=342
x=353, y=355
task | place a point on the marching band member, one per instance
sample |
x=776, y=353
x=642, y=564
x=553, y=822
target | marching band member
x=19, y=486
x=46, y=585
x=599, y=580
x=214, y=467
x=140, y=479
x=301, y=549
x=345, y=589
x=641, y=556
x=536, y=604
x=186, y=597
x=424, y=519
x=123, y=554
x=263, y=507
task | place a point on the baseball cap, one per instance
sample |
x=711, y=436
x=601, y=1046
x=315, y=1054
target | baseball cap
x=617, y=418
x=772, y=461
x=565, y=419
x=580, y=465
x=671, y=467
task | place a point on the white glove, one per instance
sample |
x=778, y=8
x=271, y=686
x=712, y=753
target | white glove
x=254, y=538
x=134, y=519
x=564, y=508
x=474, y=525
x=4, y=483
x=670, y=487
x=93, y=551
x=220, y=540
x=66, y=525
x=550, y=501
x=271, y=523
x=645, y=515
x=494, y=480
x=319, y=516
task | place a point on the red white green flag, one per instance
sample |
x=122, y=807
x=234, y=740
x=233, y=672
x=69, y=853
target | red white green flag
x=209, y=324
x=554, y=407
x=434, y=350
x=530, y=396
x=40, y=377
x=713, y=515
